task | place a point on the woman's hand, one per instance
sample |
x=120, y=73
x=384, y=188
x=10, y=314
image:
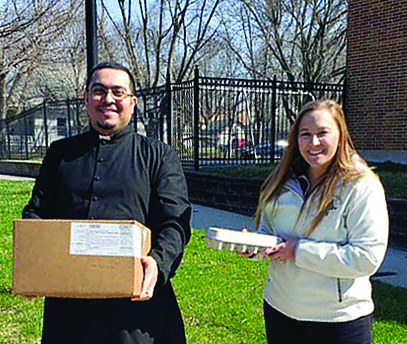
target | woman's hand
x=284, y=251
x=246, y=254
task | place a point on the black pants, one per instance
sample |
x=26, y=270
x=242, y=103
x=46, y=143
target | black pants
x=114, y=321
x=281, y=329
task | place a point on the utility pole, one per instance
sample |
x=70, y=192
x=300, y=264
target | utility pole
x=91, y=34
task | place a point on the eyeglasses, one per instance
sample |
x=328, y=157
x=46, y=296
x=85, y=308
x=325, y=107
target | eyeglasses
x=118, y=93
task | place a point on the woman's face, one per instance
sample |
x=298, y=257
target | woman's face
x=318, y=137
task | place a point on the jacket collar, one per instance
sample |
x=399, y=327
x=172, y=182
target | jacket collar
x=299, y=184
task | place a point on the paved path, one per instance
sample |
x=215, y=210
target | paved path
x=393, y=269
x=7, y=177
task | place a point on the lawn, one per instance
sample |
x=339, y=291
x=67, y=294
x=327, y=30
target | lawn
x=20, y=320
x=219, y=293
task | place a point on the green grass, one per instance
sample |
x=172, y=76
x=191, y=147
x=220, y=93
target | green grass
x=20, y=320
x=390, y=317
x=393, y=177
x=220, y=294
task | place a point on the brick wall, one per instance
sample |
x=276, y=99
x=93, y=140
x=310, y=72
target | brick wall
x=231, y=194
x=377, y=75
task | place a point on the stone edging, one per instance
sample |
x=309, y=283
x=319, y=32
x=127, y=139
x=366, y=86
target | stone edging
x=231, y=194
x=241, y=195
x=20, y=168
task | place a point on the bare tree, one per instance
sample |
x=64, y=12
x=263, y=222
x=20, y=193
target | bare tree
x=166, y=38
x=298, y=41
x=29, y=34
x=33, y=52
x=304, y=40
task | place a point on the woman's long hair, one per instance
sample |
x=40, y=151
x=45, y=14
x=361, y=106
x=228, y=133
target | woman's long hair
x=346, y=165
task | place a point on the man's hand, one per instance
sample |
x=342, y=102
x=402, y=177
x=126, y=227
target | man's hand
x=150, y=278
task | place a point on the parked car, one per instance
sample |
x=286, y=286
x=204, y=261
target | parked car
x=264, y=151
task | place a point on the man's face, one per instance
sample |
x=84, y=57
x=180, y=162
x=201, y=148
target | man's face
x=109, y=101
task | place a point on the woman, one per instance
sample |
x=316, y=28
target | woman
x=330, y=209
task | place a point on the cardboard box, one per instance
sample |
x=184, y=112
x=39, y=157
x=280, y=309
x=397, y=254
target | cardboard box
x=80, y=259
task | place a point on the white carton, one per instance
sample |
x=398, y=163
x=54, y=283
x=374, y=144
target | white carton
x=233, y=240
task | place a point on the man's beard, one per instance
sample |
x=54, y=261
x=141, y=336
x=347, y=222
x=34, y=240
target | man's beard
x=104, y=126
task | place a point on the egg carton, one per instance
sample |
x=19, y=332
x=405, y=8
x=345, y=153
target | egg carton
x=232, y=240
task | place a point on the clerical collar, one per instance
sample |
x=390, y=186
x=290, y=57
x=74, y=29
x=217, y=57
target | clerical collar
x=116, y=136
x=105, y=137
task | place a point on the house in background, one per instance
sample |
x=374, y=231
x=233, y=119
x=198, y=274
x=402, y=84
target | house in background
x=30, y=133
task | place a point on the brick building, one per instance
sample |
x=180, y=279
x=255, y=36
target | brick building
x=377, y=78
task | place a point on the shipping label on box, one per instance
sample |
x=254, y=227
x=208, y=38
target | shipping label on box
x=105, y=239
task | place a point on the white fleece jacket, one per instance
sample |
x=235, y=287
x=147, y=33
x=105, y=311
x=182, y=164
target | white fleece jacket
x=329, y=278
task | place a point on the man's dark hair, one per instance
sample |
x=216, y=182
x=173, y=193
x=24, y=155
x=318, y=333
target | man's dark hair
x=111, y=65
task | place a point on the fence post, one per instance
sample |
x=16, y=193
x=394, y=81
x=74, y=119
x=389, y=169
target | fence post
x=147, y=128
x=8, y=139
x=26, y=137
x=161, y=113
x=78, y=118
x=135, y=114
x=169, y=109
x=196, y=119
x=273, y=118
x=68, y=104
x=45, y=123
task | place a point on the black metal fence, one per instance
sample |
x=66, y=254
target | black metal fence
x=209, y=121
x=235, y=121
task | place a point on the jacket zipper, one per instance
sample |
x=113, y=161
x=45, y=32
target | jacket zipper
x=339, y=290
x=304, y=198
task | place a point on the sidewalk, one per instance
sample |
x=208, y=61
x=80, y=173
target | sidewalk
x=392, y=271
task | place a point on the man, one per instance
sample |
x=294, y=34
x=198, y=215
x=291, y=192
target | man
x=110, y=172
